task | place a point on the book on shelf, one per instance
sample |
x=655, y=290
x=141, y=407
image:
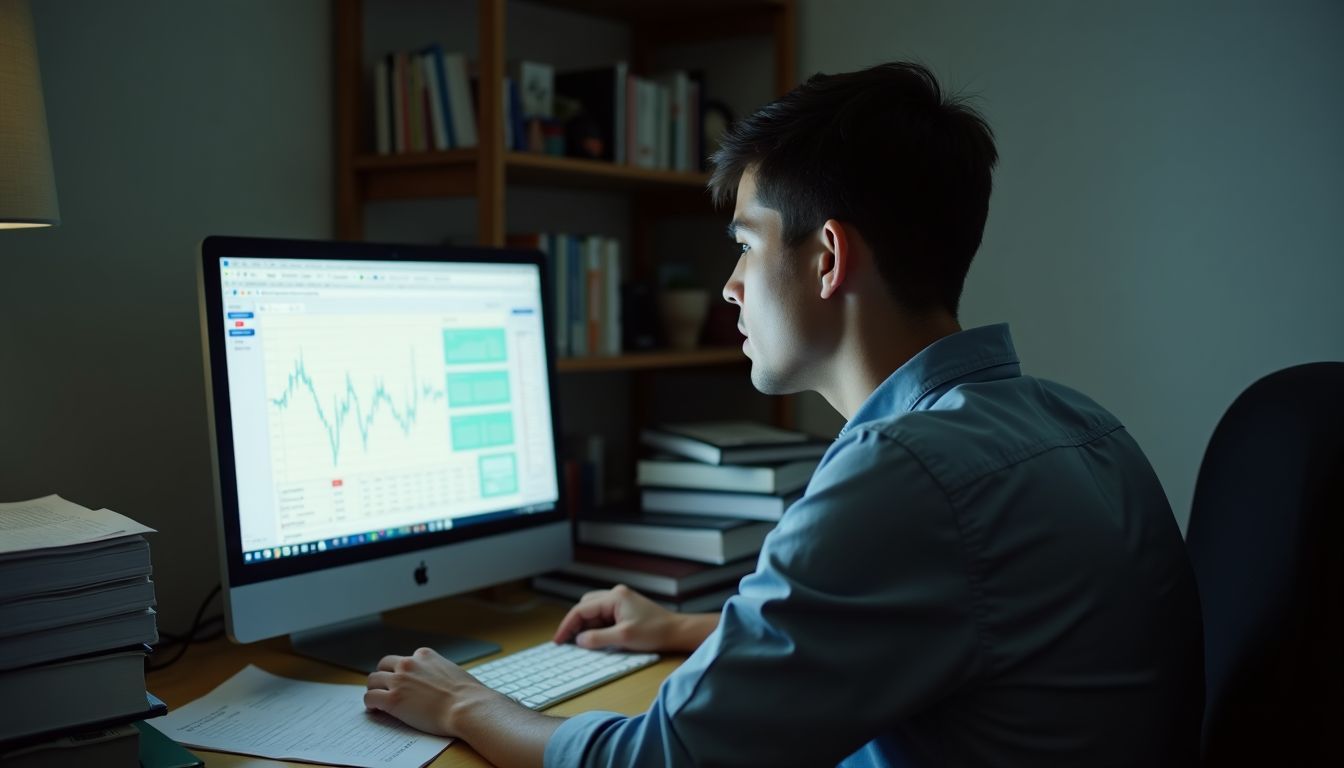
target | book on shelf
x=382, y=116
x=651, y=574
x=642, y=119
x=460, y=104
x=734, y=442
x=415, y=103
x=690, y=537
x=435, y=105
x=111, y=747
x=572, y=588
x=73, y=692
x=436, y=59
x=515, y=125
x=675, y=149
x=747, y=506
x=671, y=472
x=397, y=89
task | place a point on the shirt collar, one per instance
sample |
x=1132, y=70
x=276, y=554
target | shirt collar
x=979, y=354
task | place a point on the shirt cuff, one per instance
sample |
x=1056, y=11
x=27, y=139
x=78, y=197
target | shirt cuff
x=569, y=743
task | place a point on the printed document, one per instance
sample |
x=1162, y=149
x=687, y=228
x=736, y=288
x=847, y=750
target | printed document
x=54, y=522
x=265, y=715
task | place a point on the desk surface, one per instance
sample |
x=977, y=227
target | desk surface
x=514, y=625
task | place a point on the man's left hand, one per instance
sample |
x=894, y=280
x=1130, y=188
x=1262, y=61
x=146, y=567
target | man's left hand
x=424, y=690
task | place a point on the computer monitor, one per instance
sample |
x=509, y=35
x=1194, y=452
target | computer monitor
x=383, y=428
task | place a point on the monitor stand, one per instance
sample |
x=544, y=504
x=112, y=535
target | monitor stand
x=360, y=644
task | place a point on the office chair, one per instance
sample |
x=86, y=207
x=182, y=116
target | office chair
x=1265, y=542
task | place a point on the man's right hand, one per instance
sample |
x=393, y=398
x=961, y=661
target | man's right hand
x=622, y=618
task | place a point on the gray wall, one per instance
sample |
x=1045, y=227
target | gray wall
x=169, y=121
x=1168, y=217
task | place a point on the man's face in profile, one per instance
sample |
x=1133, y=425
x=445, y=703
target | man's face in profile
x=770, y=285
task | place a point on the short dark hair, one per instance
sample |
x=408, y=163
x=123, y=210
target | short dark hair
x=882, y=149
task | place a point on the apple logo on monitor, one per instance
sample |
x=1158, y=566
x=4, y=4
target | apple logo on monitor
x=422, y=574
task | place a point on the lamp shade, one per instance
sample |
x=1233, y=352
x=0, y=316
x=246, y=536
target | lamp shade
x=27, y=184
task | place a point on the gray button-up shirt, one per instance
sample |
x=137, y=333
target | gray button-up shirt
x=984, y=570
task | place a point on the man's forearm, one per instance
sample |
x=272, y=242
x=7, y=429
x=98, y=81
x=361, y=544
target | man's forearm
x=503, y=731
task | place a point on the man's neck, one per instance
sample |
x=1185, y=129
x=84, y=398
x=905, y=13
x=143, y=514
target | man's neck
x=874, y=349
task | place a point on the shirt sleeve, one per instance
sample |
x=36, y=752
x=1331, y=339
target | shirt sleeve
x=859, y=615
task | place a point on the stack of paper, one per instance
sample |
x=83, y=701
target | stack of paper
x=76, y=620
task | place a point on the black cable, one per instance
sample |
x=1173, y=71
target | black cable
x=170, y=639
x=186, y=640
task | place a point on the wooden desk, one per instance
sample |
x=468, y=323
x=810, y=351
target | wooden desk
x=514, y=625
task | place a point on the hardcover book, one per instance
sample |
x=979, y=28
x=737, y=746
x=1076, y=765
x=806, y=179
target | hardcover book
x=691, y=537
x=651, y=574
x=74, y=692
x=670, y=472
x=748, y=506
x=734, y=442
x=571, y=588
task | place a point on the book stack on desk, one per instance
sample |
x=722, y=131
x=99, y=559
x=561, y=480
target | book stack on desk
x=707, y=502
x=76, y=621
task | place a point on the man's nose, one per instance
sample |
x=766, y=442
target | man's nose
x=732, y=290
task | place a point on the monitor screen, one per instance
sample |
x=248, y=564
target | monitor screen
x=384, y=425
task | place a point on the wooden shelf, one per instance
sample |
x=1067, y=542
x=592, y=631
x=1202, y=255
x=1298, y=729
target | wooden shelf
x=706, y=356
x=453, y=174
x=656, y=11
x=453, y=157
x=532, y=168
x=418, y=174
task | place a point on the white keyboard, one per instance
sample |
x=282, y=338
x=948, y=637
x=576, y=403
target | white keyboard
x=548, y=673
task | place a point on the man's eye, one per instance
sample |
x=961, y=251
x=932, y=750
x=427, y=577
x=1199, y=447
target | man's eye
x=742, y=248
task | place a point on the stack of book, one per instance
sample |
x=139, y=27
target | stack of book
x=76, y=621
x=586, y=279
x=423, y=102
x=708, y=501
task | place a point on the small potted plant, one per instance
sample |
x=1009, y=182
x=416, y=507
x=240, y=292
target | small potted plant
x=682, y=306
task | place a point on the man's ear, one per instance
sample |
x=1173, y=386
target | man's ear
x=835, y=258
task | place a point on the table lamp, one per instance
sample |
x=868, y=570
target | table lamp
x=27, y=184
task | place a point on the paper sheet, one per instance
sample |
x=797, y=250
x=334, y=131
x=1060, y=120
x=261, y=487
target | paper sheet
x=54, y=522
x=261, y=714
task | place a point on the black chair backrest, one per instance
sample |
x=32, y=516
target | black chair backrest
x=1265, y=542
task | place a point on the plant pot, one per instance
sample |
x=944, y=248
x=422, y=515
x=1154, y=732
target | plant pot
x=683, y=313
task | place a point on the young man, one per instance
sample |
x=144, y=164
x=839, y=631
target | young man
x=984, y=569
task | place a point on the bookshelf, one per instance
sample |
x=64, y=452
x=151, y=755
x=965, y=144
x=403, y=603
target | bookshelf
x=486, y=173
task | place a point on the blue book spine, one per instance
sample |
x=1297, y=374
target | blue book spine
x=436, y=54
x=516, y=116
